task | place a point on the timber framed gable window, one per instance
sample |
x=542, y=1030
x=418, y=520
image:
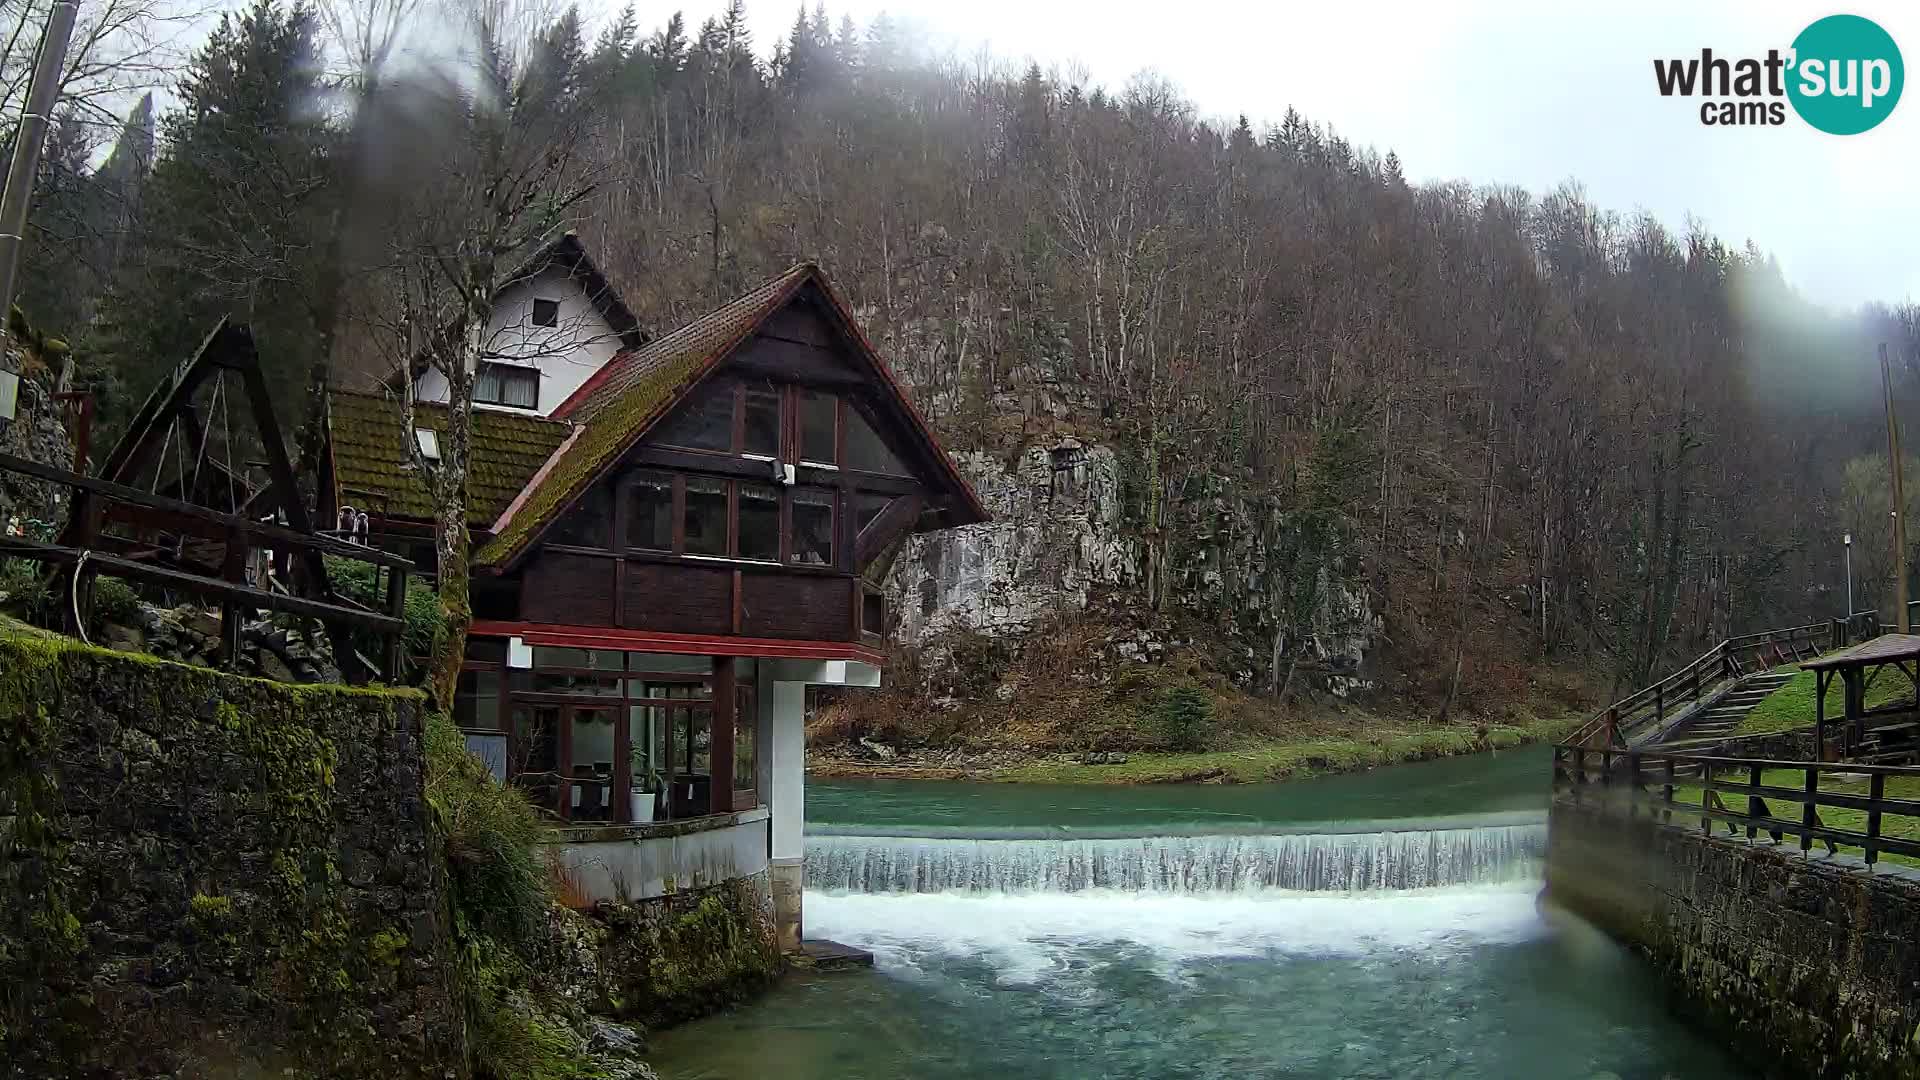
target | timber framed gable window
x=710, y=517
x=765, y=420
x=510, y=385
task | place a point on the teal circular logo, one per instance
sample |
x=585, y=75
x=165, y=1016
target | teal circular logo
x=1846, y=75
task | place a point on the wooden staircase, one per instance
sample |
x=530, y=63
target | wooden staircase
x=1723, y=717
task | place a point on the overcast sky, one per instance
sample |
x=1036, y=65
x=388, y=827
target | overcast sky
x=1500, y=91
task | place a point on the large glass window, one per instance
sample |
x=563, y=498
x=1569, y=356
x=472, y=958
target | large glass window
x=866, y=507
x=592, y=748
x=812, y=527
x=818, y=428
x=589, y=523
x=650, y=511
x=762, y=424
x=745, y=727
x=866, y=450
x=476, y=700
x=706, y=516
x=759, y=522
x=705, y=423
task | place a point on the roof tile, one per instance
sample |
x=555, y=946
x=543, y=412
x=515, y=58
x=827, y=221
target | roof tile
x=373, y=469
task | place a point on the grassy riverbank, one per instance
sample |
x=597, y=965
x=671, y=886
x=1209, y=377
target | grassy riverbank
x=1791, y=706
x=1249, y=763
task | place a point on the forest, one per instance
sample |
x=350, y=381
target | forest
x=1532, y=428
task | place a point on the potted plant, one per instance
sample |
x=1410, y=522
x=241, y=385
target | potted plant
x=646, y=783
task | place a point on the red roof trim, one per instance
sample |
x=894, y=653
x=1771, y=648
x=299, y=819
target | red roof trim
x=608, y=637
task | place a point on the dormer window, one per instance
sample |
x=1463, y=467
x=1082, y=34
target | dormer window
x=546, y=313
x=429, y=441
x=507, y=384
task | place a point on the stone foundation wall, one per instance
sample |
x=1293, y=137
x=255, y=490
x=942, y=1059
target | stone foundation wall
x=206, y=875
x=667, y=959
x=1809, y=967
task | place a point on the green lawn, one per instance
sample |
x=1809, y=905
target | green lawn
x=1791, y=706
x=1687, y=795
x=1288, y=760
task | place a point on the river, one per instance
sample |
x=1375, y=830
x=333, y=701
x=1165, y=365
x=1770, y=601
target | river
x=1381, y=924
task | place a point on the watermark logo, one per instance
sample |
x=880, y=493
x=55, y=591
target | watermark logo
x=1843, y=75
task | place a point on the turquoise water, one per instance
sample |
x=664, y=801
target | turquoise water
x=1510, y=780
x=1200, y=932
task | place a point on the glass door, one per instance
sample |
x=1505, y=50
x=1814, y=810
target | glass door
x=593, y=748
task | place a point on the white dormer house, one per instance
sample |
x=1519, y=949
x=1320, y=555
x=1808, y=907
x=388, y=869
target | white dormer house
x=556, y=322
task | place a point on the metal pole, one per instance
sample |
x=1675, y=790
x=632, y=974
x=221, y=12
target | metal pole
x=1848, y=541
x=27, y=141
x=1899, y=498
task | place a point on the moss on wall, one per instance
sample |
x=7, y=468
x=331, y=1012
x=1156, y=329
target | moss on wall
x=202, y=874
x=667, y=959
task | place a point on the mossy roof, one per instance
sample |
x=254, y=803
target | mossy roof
x=625, y=397
x=372, y=468
x=615, y=408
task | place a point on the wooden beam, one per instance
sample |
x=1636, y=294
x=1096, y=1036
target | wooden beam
x=161, y=575
x=131, y=496
x=897, y=517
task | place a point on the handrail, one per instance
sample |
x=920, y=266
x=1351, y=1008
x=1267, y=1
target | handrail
x=94, y=498
x=1625, y=716
x=1642, y=783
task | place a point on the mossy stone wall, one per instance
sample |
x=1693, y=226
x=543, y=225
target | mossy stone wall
x=667, y=959
x=1807, y=967
x=206, y=875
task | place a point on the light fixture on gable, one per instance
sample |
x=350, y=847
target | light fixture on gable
x=429, y=441
x=9, y=397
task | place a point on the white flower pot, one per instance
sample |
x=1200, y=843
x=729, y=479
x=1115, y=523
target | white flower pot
x=642, y=807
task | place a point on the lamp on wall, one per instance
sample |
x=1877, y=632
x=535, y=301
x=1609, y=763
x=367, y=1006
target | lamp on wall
x=9, y=397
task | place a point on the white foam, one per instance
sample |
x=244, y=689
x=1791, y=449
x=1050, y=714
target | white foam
x=1031, y=936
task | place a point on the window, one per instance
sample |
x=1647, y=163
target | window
x=705, y=423
x=429, y=441
x=762, y=427
x=866, y=451
x=589, y=523
x=706, y=516
x=873, y=612
x=759, y=522
x=746, y=723
x=650, y=511
x=507, y=384
x=812, y=527
x=546, y=313
x=866, y=508
x=818, y=434
x=476, y=700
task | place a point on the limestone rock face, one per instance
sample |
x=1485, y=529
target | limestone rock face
x=1061, y=541
x=1055, y=537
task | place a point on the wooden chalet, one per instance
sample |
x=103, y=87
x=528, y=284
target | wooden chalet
x=663, y=563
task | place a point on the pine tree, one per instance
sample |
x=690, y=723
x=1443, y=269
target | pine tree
x=1242, y=139
x=231, y=213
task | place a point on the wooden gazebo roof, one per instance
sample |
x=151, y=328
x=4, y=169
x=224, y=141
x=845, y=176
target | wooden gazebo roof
x=1885, y=649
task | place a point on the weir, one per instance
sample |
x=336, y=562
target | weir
x=1346, y=861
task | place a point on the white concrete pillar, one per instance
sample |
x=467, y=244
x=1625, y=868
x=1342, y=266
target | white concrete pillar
x=785, y=703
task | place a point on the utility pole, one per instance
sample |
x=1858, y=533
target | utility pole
x=27, y=141
x=1899, y=497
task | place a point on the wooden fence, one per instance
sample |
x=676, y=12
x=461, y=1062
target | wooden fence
x=91, y=552
x=1731, y=659
x=1739, y=793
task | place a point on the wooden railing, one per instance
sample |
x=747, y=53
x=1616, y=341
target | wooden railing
x=1615, y=725
x=93, y=552
x=1738, y=793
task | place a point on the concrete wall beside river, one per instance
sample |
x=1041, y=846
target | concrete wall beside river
x=1807, y=966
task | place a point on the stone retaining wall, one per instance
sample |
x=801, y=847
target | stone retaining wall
x=1808, y=967
x=205, y=875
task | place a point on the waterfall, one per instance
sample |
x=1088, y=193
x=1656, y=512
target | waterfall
x=1349, y=861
